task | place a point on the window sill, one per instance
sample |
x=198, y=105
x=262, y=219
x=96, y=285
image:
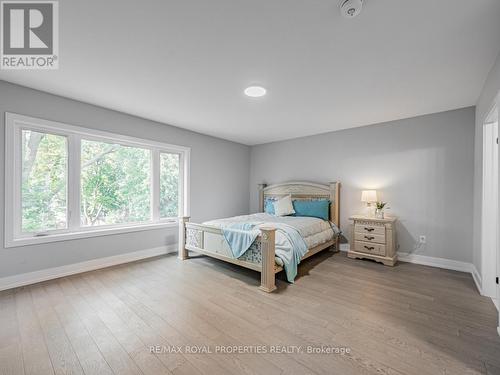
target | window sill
x=87, y=234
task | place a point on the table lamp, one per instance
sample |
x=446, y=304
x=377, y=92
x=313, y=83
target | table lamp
x=369, y=197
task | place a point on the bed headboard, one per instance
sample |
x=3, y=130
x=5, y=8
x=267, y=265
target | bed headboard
x=304, y=191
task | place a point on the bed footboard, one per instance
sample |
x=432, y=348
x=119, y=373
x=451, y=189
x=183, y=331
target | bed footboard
x=183, y=252
x=267, y=274
x=208, y=240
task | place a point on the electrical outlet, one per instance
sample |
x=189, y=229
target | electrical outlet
x=422, y=239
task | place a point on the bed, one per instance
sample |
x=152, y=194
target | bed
x=263, y=255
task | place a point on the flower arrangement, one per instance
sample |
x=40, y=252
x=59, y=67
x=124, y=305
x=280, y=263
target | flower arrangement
x=379, y=212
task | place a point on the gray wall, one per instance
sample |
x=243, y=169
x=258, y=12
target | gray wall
x=490, y=90
x=215, y=165
x=422, y=166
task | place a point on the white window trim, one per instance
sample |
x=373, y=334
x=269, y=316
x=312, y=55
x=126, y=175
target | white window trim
x=13, y=125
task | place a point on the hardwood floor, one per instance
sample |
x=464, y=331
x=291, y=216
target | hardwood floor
x=408, y=319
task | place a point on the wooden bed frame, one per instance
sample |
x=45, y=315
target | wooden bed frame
x=208, y=240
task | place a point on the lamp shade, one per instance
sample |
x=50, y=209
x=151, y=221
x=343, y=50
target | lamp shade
x=369, y=196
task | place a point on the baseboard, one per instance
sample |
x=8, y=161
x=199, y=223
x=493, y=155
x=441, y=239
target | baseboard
x=429, y=261
x=15, y=281
x=344, y=247
x=435, y=262
x=496, y=303
x=477, y=279
x=448, y=264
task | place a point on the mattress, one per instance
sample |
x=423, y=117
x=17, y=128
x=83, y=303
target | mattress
x=314, y=231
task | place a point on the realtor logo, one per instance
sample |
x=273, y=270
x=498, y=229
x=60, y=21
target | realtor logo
x=29, y=35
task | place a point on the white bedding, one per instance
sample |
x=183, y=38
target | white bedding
x=314, y=231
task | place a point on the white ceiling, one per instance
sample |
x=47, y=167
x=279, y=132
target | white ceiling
x=186, y=62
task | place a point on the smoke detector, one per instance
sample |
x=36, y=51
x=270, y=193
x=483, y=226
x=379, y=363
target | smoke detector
x=351, y=8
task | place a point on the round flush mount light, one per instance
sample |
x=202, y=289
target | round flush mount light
x=351, y=8
x=255, y=91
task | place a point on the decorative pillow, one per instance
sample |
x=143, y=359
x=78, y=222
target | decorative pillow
x=318, y=208
x=284, y=206
x=269, y=206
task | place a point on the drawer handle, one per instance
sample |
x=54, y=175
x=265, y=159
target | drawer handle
x=369, y=229
x=369, y=248
x=369, y=238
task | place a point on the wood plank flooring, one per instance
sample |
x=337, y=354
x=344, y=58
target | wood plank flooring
x=408, y=319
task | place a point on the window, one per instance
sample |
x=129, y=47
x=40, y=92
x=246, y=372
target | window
x=65, y=182
x=115, y=184
x=169, y=184
x=44, y=182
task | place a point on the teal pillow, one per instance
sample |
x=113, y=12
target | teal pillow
x=318, y=208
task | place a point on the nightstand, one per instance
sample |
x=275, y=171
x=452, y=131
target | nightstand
x=374, y=239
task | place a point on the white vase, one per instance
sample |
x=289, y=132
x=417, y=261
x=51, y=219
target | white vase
x=379, y=214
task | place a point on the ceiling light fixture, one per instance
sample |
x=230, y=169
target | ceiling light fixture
x=351, y=8
x=255, y=91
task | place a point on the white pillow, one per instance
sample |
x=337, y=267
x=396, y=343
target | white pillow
x=284, y=206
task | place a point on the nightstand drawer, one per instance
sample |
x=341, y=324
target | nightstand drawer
x=370, y=248
x=369, y=237
x=370, y=229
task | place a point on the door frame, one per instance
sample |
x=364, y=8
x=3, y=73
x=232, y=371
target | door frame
x=497, y=104
x=492, y=115
x=489, y=212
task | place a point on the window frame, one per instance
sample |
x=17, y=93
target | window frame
x=15, y=123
